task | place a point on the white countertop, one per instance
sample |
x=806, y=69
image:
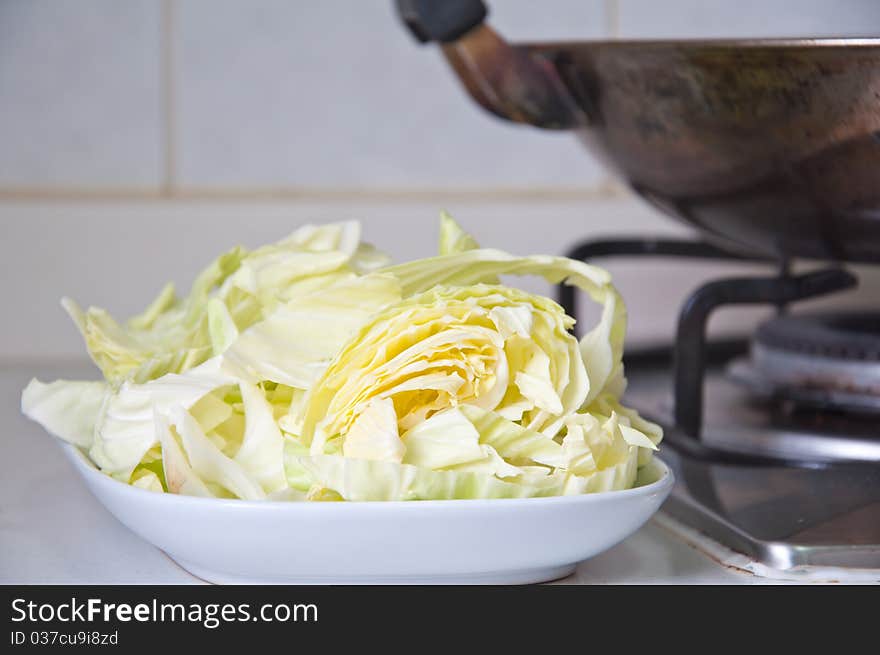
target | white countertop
x=52, y=531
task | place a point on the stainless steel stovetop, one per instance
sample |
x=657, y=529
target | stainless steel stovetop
x=781, y=516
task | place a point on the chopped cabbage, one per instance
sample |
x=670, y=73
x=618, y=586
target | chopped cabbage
x=312, y=370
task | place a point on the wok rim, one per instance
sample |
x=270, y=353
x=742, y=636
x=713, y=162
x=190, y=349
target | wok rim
x=721, y=43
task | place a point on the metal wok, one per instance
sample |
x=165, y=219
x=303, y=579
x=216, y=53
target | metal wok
x=767, y=146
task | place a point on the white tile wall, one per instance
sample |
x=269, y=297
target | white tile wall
x=279, y=94
x=293, y=94
x=80, y=94
x=747, y=18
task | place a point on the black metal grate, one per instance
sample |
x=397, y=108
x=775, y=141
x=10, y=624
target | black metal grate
x=690, y=349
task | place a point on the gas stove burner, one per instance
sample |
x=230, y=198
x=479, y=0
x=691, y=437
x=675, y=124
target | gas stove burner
x=850, y=336
x=824, y=361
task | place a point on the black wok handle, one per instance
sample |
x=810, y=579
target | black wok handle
x=509, y=81
x=442, y=21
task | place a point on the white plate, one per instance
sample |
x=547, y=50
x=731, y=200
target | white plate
x=499, y=541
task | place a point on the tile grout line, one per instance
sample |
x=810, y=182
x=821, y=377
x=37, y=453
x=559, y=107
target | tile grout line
x=612, y=18
x=167, y=68
x=612, y=32
x=601, y=191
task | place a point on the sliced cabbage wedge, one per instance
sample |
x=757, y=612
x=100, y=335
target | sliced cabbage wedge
x=451, y=346
x=601, y=347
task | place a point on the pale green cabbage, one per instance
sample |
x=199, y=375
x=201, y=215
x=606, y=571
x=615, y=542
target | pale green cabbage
x=311, y=370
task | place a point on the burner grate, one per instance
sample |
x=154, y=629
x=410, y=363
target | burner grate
x=690, y=348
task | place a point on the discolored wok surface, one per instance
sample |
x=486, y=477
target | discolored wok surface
x=771, y=145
